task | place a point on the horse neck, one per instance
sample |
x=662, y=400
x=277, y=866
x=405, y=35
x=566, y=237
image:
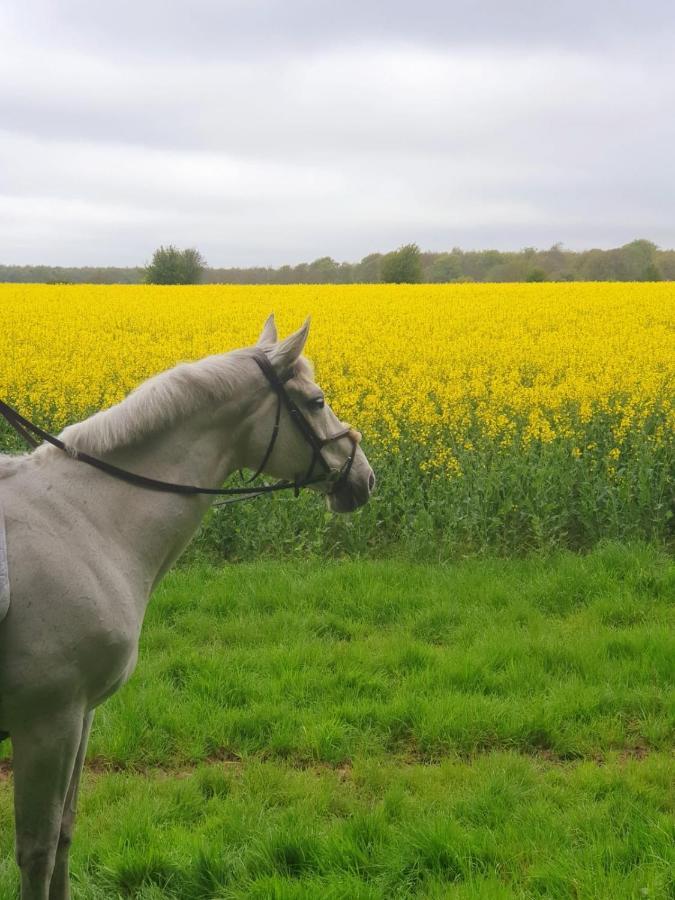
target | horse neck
x=197, y=450
x=151, y=528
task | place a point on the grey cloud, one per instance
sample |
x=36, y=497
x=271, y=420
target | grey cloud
x=392, y=102
x=269, y=132
x=255, y=28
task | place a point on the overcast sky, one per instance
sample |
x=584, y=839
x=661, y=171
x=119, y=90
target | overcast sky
x=273, y=131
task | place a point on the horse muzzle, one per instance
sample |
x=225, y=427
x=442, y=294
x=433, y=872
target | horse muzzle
x=353, y=492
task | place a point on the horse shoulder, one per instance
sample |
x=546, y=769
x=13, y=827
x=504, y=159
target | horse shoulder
x=73, y=617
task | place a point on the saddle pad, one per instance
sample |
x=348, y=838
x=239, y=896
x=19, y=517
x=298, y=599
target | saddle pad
x=4, y=569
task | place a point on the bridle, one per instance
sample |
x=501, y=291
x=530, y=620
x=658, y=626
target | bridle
x=334, y=477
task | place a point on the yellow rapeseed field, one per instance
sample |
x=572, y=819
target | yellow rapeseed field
x=447, y=366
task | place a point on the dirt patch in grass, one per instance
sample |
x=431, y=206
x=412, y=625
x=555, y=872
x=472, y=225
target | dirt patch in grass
x=412, y=756
x=99, y=766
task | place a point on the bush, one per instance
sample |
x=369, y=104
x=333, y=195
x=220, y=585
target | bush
x=402, y=266
x=536, y=274
x=173, y=266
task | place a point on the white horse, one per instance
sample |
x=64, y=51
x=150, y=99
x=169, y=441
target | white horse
x=86, y=550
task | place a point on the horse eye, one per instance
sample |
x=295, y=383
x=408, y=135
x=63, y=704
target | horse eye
x=317, y=403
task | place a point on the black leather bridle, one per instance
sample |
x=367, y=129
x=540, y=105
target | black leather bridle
x=335, y=478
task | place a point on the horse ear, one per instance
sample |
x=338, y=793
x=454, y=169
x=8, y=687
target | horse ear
x=269, y=333
x=286, y=353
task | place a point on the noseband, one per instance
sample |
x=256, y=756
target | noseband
x=334, y=477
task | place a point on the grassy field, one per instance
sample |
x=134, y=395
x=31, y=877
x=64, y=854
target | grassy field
x=486, y=729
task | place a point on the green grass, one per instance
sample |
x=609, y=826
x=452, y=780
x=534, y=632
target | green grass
x=501, y=825
x=485, y=729
x=510, y=501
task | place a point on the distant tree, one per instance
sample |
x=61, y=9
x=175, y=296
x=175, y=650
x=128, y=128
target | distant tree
x=173, y=266
x=284, y=275
x=445, y=268
x=301, y=273
x=536, y=274
x=513, y=268
x=479, y=264
x=165, y=266
x=322, y=271
x=639, y=261
x=666, y=264
x=192, y=266
x=651, y=272
x=553, y=261
x=368, y=270
x=345, y=273
x=597, y=265
x=402, y=266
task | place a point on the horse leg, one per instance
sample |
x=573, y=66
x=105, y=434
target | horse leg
x=44, y=759
x=60, y=886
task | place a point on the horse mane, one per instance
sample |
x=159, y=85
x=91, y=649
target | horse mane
x=160, y=400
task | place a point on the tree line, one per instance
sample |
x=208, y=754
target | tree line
x=639, y=260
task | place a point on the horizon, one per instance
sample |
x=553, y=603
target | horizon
x=349, y=262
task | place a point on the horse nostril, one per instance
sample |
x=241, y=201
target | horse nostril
x=371, y=482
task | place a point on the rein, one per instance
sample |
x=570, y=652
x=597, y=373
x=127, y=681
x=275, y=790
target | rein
x=27, y=429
